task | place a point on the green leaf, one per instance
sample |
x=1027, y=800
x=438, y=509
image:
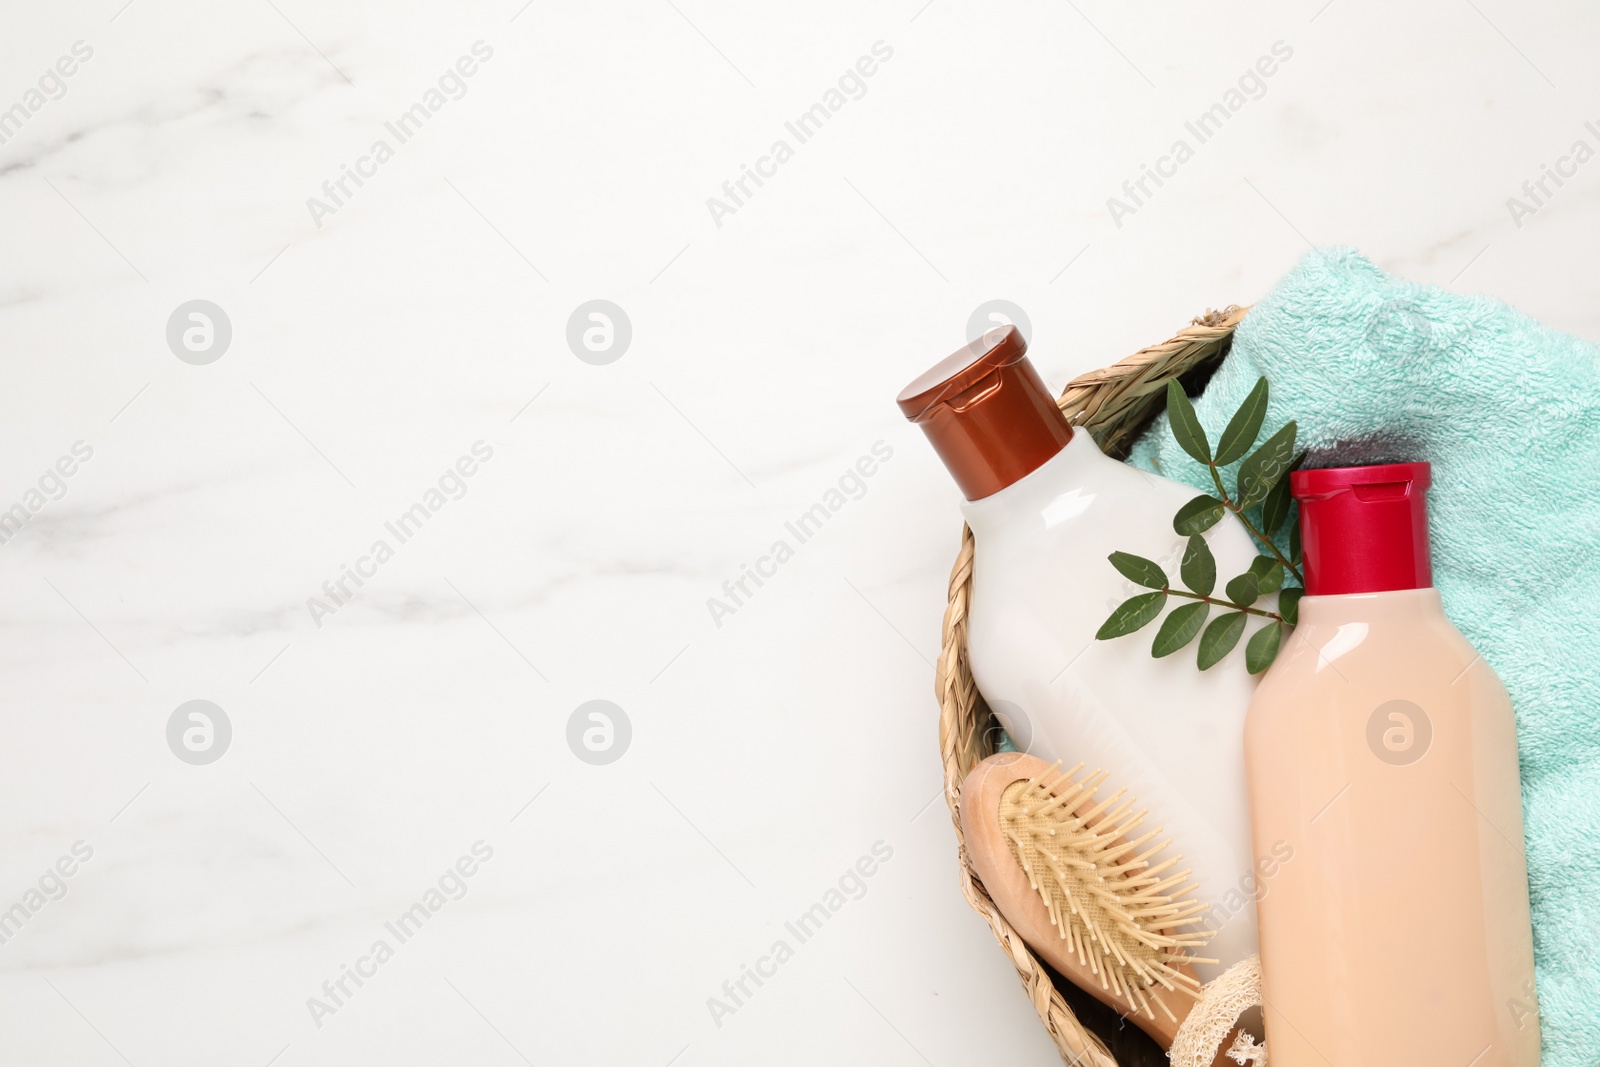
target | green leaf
x=1186, y=428
x=1262, y=469
x=1132, y=614
x=1269, y=574
x=1289, y=604
x=1198, y=515
x=1139, y=570
x=1199, y=569
x=1244, y=590
x=1220, y=637
x=1244, y=427
x=1275, y=508
x=1263, y=648
x=1294, y=544
x=1179, y=628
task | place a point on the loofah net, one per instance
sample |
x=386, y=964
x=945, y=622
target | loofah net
x=1224, y=1000
x=1114, y=405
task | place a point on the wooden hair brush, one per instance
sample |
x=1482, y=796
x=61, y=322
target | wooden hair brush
x=1094, y=896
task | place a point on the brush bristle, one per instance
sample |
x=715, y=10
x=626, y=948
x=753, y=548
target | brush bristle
x=1110, y=894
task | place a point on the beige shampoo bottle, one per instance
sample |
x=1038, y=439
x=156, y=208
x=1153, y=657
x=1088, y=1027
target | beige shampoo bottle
x=1381, y=750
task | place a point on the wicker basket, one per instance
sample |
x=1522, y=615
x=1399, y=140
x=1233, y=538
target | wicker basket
x=1114, y=405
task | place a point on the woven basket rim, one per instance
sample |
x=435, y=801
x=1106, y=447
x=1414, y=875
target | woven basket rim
x=1113, y=404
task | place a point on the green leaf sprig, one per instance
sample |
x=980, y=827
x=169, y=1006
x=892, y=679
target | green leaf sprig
x=1262, y=481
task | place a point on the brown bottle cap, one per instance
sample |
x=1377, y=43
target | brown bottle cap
x=987, y=413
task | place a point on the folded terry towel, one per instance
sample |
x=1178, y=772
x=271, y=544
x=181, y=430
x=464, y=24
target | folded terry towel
x=1508, y=413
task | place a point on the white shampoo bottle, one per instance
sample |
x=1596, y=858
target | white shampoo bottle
x=1047, y=508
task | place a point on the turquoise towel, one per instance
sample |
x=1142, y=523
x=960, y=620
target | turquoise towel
x=1377, y=369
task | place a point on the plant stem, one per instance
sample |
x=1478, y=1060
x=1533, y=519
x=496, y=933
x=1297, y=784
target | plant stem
x=1227, y=502
x=1229, y=605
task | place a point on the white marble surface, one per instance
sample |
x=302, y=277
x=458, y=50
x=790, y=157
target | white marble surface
x=429, y=312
